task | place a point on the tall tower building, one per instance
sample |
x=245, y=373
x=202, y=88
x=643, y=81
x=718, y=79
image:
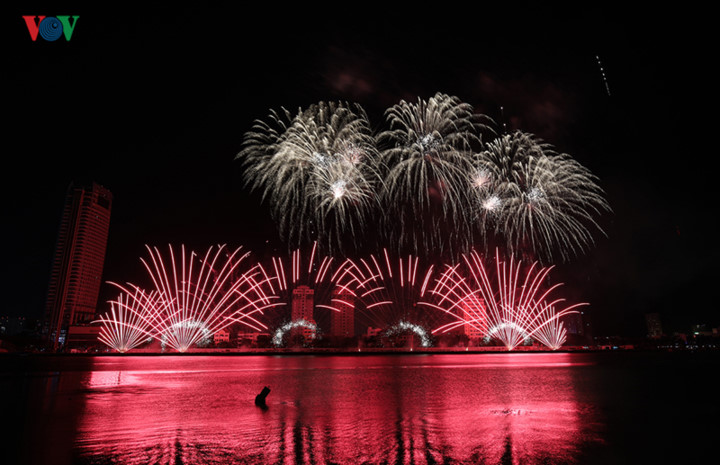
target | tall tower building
x=473, y=310
x=654, y=325
x=302, y=303
x=574, y=324
x=342, y=323
x=77, y=267
x=302, y=309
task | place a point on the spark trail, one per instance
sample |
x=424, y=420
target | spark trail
x=516, y=302
x=318, y=170
x=193, y=297
x=534, y=201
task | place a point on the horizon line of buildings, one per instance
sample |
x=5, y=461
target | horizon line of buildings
x=77, y=269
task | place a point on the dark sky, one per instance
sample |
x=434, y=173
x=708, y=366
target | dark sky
x=153, y=104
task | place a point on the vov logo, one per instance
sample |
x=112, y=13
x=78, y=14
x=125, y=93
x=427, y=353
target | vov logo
x=51, y=28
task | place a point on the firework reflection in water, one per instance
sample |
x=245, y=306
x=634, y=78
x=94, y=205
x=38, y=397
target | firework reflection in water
x=519, y=408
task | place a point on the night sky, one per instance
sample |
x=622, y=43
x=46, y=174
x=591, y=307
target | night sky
x=153, y=104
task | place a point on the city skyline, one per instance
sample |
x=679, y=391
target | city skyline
x=603, y=97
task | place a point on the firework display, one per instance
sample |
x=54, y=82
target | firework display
x=430, y=190
x=278, y=338
x=388, y=289
x=427, y=152
x=402, y=327
x=513, y=304
x=397, y=297
x=193, y=298
x=435, y=182
x=130, y=321
x=536, y=202
x=305, y=290
x=318, y=172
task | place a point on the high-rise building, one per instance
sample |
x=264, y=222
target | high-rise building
x=574, y=324
x=654, y=325
x=302, y=309
x=342, y=322
x=302, y=303
x=77, y=267
x=474, y=313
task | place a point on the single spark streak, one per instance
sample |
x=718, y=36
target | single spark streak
x=377, y=304
x=602, y=71
x=344, y=302
x=414, y=270
x=371, y=291
x=367, y=265
x=329, y=307
x=377, y=267
x=312, y=257
x=295, y=264
x=387, y=260
x=324, y=268
x=282, y=274
x=409, y=268
x=426, y=281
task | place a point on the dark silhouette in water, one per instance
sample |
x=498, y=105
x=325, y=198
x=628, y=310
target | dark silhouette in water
x=260, y=398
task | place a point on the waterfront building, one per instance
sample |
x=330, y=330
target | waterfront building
x=302, y=303
x=654, y=325
x=342, y=322
x=302, y=309
x=222, y=335
x=475, y=314
x=77, y=266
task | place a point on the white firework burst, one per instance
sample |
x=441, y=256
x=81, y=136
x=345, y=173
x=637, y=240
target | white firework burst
x=428, y=155
x=318, y=171
x=540, y=203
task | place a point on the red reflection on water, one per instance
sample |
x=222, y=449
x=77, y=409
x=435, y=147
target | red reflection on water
x=491, y=408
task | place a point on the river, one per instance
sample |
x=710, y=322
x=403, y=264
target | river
x=501, y=408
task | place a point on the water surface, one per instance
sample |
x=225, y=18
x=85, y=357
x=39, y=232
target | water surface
x=523, y=408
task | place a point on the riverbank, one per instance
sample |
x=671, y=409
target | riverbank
x=357, y=351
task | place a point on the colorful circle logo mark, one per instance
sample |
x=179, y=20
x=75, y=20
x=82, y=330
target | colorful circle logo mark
x=51, y=28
